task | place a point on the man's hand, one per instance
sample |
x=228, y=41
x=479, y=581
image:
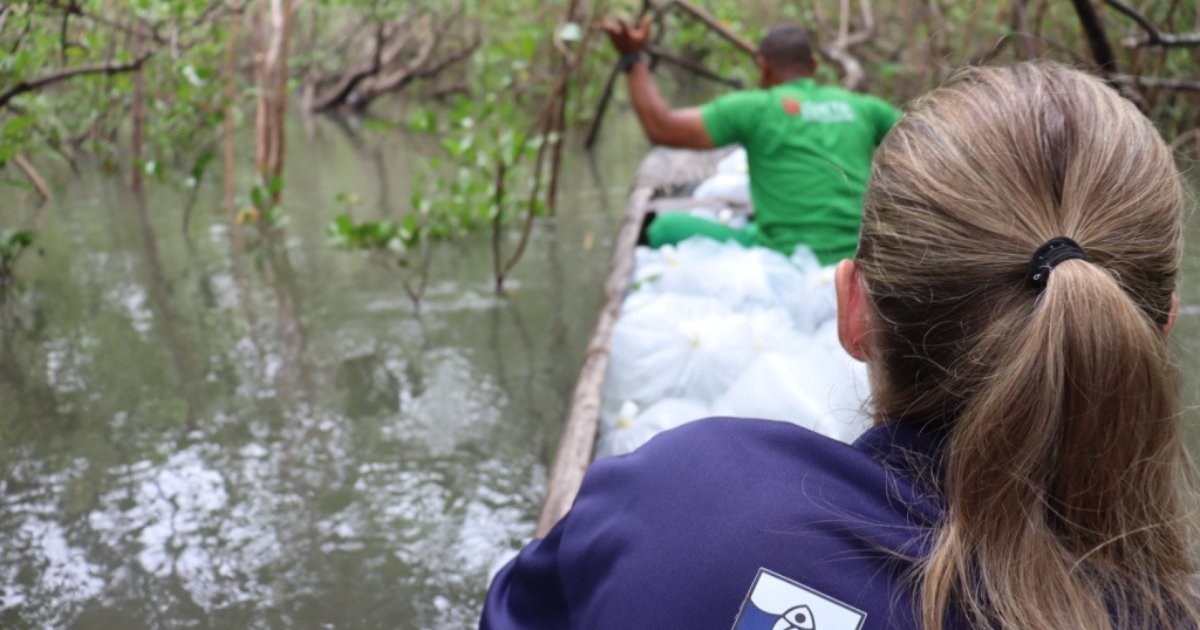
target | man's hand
x=627, y=40
x=682, y=128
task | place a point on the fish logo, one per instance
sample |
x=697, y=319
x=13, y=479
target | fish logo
x=798, y=618
x=779, y=603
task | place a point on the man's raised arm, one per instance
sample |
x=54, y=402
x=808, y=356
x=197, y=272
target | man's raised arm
x=679, y=128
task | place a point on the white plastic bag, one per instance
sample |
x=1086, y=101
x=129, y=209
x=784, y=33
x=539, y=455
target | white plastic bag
x=624, y=440
x=815, y=298
x=745, y=278
x=732, y=187
x=736, y=162
x=649, y=265
x=633, y=428
x=728, y=271
x=771, y=330
x=669, y=413
x=826, y=336
x=668, y=345
x=815, y=390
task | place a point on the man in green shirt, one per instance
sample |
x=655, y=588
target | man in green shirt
x=808, y=146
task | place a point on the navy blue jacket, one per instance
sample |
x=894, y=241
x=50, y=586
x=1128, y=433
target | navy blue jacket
x=731, y=523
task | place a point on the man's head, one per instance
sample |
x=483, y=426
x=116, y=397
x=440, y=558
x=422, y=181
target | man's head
x=785, y=54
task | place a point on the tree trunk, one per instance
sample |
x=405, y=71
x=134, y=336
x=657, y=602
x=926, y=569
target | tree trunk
x=272, y=95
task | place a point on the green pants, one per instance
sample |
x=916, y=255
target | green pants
x=671, y=228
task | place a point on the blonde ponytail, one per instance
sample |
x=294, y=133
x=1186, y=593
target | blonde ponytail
x=1071, y=502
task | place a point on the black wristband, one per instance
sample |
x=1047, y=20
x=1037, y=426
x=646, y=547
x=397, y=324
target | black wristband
x=628, y=59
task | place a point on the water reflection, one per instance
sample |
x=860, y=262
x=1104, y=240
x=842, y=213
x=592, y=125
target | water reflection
x=273, y=438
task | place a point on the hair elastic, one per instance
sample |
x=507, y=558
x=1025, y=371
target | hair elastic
x=1049, y=255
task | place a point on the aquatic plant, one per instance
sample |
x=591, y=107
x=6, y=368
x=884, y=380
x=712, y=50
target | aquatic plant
x=13, y=243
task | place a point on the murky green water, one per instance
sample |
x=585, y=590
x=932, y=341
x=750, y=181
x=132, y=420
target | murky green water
x=280, y=443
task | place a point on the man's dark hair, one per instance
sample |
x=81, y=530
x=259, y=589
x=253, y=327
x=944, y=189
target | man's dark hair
x=787, y=46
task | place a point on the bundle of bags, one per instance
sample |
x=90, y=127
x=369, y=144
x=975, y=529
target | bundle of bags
x=718, y=329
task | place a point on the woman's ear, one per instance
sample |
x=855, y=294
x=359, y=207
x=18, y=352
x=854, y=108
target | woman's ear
x=1172, y=314
x=853, y=311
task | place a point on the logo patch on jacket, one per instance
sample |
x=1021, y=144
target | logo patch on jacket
x=791, y=106
x=777, y=603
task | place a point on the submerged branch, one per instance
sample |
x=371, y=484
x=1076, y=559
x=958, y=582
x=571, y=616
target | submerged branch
x=497, y=223
x=413, y=294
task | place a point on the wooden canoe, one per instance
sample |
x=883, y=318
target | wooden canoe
x=663, y=172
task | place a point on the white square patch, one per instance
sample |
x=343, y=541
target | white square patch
x=777, y=603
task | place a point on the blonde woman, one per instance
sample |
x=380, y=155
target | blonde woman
x=1011, y=295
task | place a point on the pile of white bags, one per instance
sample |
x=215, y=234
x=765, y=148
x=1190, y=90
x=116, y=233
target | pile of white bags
x=730, y=183
x=714, y=328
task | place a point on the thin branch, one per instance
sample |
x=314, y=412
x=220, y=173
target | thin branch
x=988, y=55
x=694, y=67
x=544, y=122
x=351, y=79
x=29, y=85
x=867, y=33
x=448, y=60
x=421, y=69
x=610, y=83
x=843, y=21
x=1136, y=16
x=412, y=293
x=65, y=43
x=720, y=29
x=5, y=11
x=497, y=223
x=1182, y=85
x=19, y=39
x=601, y=106
x=422, y=65
x=34, y=178
x=74, y=9
x=527, y=227
x=227, y=124
x=1154, y=37
x=1166, y=41
x=426, y=258
x=1191, y=134
x=853, y=76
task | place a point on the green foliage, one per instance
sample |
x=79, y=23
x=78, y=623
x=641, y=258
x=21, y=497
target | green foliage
x=386, y=234
x=403, y=246
x=13, y=136
x=91, y=111
x=13, y=243
x=495, y=143
x=263, y=209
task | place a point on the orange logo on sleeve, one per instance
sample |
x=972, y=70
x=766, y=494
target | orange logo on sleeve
x=791, y=105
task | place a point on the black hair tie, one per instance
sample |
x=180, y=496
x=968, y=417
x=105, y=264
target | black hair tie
x=1049, y=255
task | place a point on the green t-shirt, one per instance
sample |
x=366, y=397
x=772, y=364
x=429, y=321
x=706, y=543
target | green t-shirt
x=809, y=150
